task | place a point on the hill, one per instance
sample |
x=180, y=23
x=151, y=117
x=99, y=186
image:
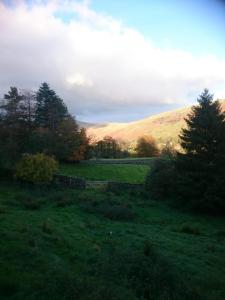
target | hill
x=163, y=127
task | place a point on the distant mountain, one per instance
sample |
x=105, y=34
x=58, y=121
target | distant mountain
x=85, y=124
x=163, y=127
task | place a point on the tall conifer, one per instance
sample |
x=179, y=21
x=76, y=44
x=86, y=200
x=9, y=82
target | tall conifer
x=51, y=110
x=201, y=167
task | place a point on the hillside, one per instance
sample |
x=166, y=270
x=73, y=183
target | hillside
x=69, y=244
x=163, y=127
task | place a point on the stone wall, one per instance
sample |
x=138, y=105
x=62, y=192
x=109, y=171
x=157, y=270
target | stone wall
x=70, y=182
x=81, y=183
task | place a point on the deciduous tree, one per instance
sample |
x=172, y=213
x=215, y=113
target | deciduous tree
x=146, y=147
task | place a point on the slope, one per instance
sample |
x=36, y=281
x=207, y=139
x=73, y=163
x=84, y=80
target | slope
x=163, y=127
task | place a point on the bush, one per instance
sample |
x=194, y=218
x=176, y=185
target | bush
x=161, y=178
x=63, y=201
x=36, y=168
x=189, y=229
x=116, y=212
x=28, y=201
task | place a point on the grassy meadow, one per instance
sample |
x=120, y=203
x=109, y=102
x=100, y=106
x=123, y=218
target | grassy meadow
x=106, y=172
x=66, y=244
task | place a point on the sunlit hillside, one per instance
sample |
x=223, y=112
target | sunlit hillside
x=163, y=127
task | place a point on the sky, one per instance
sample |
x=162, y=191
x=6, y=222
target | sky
x=114, y=60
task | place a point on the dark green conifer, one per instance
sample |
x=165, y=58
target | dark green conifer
x=201, y=167
x=51, y=110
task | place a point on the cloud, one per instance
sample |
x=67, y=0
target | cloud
x=96, y=63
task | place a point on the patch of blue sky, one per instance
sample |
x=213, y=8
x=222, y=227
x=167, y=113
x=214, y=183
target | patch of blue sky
x=197, y=26
x=66, y=16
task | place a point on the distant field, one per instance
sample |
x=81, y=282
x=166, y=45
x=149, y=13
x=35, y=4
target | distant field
x=114, y=172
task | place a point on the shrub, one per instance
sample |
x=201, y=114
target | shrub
x=63, y=201
x=28, y=201
x=36, y=168
x=116, y=212
x=189, y=229
x=160, y=179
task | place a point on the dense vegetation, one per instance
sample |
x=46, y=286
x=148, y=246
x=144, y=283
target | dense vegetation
x=107, y=148
x=38, y=123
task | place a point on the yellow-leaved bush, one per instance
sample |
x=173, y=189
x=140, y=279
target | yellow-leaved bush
x=36, y=168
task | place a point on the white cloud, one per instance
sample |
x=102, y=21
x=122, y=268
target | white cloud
x=95, y=62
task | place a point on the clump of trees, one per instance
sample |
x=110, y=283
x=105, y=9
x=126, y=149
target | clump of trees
x=198, y=171
x=38, y=123
x=108, y=147
x=146, y=147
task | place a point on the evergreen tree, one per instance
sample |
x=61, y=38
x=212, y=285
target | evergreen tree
x=51, y=110
x=13, y=130
x=11, y=106
x=201, y=167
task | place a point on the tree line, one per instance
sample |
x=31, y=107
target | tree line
x=38, y=123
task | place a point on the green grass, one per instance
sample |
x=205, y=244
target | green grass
x=43, y=249
x=106, y=172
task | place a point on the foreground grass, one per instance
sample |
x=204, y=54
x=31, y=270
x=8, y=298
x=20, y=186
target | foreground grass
x=70, y=245
x=105, y=172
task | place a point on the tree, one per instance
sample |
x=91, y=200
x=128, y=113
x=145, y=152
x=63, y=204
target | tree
x=29, y=107
x=13, y=127
x=201, y=166
x=107, y=148
x=56, y=130
x=168, y=150
x=66, y=140
x=146, y=147
x=84, y=146
x=51, y=110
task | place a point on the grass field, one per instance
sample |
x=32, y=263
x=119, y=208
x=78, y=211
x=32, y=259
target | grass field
x=51, y=243
x=105, y=172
